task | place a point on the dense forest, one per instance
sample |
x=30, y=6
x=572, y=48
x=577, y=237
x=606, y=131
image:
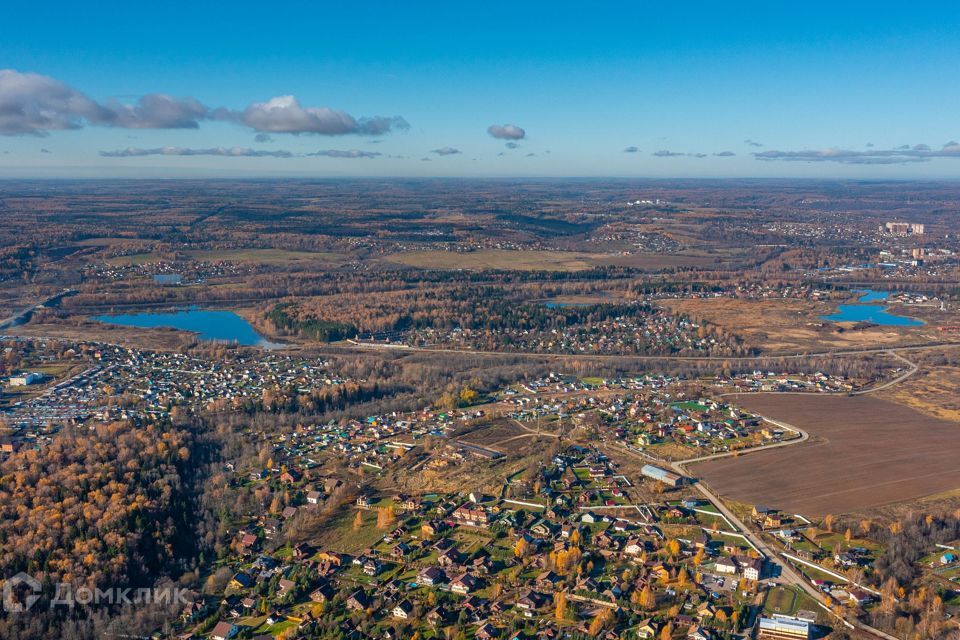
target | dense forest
x=112, y=506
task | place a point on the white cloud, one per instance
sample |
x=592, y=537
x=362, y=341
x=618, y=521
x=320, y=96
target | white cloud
x=284, y=114
x=234, y=152
x=34, y=104
x=900, y=155
x=351, y=153
x=506, y=131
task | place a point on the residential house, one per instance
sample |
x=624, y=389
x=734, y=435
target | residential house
x=224, y=631
x=463, y=584
x=432, y=576
x=358, y=600
x=403, y=610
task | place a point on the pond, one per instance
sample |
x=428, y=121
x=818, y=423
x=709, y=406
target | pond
x=219, y=326
x=874, y=313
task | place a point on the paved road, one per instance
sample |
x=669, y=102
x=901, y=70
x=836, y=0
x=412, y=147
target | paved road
x=571, y=356
x=913, y=368
x=788, y=575
x=23, y=314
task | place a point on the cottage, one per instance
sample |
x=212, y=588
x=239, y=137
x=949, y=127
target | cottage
x=449, y=558
x=772, y=521
x=358, y=600
x=302, y=550
x=726, y=565
x=241, y=580
x=290, y=476
x=697, y=632
x=463, y=584
x=249, y=542
x=403, y=610
x=332, y=558
x=647, y=629
x=274, y=617
x=751, y=568
x=372, y=567
x=634, y=547
x=529, y=601
x=486, y=631
x=286, y=586
x=471, y=515
x=546, y=580
x=323, y=593
x=224, y=631
x=437, y=617
x=432, y=576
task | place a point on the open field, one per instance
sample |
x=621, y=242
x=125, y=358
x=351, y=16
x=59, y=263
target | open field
x=495, y=432
x=932, y=390
x=656, y=261
x=498, y=259
x=259, y=256
x=863, y=452
x=160, y=339
x=536, y=260
x=794, y=325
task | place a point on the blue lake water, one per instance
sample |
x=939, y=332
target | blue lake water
x=221, y=326
x=869, y=295
x=875, y=313
x=562, y=305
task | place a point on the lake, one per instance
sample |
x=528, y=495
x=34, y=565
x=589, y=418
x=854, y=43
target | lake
x=875, y=313
x=869, y=295
x=219, y=326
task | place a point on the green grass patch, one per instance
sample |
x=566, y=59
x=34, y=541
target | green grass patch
x=781, y=600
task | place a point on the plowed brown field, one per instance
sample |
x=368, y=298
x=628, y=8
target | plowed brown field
x=863, y=452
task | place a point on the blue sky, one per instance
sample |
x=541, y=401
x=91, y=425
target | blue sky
x=828, y=89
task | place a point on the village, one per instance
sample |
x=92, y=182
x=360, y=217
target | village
x=637, y=329
x=599, y=534
x=548, y=563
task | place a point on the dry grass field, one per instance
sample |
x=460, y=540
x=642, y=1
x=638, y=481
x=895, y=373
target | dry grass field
x=536, y=260
x=258, y=256
x=656, y=261
x=933, y=390
x=794, y=325
x=497, y=259
x=489, y=435
x=160, y=339
x=864, y=452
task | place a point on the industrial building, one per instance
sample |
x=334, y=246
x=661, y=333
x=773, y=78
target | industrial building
x=782, y=628
x=662, y=475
